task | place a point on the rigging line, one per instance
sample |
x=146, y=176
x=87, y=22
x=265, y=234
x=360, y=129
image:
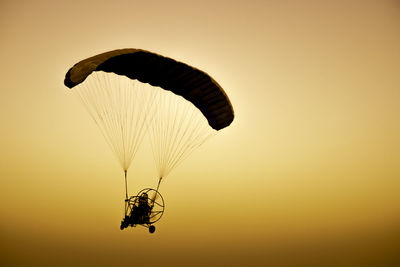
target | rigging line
x=150, y=109
x=136, y=123
x=81, y=98
x=158, y=185
x=169, y=128
x=117, y=104
x=184, y=138
x=163, y=130
x=185, y=110
x=171, y=138
x=124, y=115
x=142, y=125
x=155, y=126
x=123, y=119
x=90, y=93
x=188, y=152
x=135, y=118
x=100, y=102
x=120, y=106
x=148, y=100
x=166, y=129
x=168, y=135
x=182, y=128
x=155, y=194
x=112, y=123
x=111, y=120
x=188, y=146
x=130, y=111
x=152, y=137
x=131, y=91
x=126, y=184
x=128, y=130
x=96, y=108
x=175, y=128
x=107, y=99
x=142, y=115
x=83, y=94
x=161, y=125
x=130, y=115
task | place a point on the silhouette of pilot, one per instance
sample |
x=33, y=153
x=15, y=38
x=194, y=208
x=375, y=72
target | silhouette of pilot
x=141, y=213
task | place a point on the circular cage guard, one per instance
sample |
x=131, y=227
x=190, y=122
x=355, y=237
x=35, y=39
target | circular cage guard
x=155, y=200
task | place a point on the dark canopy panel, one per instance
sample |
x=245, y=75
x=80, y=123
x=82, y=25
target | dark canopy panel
x=194, y=85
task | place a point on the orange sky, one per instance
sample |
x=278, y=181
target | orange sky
x=308, y=174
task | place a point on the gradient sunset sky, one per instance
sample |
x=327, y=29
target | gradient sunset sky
x=308, y=174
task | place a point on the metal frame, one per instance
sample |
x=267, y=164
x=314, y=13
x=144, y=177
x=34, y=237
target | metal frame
x=156, y=201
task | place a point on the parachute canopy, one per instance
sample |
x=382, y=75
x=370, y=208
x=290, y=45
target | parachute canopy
x=130, y=92
x=192, y=84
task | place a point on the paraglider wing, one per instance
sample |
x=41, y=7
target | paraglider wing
x=194, y=85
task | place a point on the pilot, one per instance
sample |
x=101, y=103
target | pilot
x=143, y=208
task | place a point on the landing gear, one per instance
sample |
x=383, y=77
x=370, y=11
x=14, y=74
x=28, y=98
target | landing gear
x=152, y=228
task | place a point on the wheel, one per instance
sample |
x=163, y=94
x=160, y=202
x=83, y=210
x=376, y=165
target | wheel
x=152, y=228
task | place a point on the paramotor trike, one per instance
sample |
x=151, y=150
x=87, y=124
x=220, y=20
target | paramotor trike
x=144, y=209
